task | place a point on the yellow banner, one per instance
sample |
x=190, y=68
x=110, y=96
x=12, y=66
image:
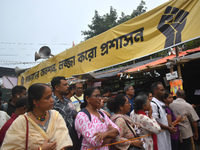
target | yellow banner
x=173, y=22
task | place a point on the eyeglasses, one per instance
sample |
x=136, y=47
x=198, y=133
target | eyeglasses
x=96, y=96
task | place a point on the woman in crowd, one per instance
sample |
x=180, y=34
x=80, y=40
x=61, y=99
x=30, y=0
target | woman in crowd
x=148, y=124
x=120, y=105
x=149, y=95
x=168, y=98
x=41, y=128
x=94, y=126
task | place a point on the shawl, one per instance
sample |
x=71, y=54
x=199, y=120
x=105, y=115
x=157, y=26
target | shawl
x=56, y=131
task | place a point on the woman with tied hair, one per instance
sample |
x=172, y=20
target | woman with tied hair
x=148, y=124
x=46, y=127
x=97, y=130
x=120, y=105
x=172, y=119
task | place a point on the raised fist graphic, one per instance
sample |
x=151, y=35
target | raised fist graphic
x=171, y=25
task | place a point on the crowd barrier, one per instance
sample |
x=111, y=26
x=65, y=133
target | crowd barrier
x=130, y=139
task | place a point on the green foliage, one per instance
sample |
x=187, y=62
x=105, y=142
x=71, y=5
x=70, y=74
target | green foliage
x=103, y=23
x=192, y=44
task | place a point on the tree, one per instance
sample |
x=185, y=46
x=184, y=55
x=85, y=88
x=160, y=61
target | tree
x=103, y=23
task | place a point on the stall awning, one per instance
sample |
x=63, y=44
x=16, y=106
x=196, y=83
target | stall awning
x=112, y=72
x=159, y=63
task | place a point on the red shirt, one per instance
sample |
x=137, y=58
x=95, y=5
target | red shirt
x=6, y=126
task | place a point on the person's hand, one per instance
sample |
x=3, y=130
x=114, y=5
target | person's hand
x=136, y=125
x=48, y=146
x=178, y=118
x=196, y=136
x=100, y=136
x=172, y=130
x=137, y=143
x=106, y=140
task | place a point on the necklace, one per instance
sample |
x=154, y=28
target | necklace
x=41, y=118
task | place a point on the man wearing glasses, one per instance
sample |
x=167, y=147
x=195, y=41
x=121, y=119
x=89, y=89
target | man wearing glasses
x=77, y=99
x=130, y=92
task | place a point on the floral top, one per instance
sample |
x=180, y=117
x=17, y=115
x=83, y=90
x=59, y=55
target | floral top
x=125, y=133
x=87, y=128
x=147, y=126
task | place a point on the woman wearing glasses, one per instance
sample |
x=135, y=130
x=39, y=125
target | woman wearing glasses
x=120, y=105
x=96, y=128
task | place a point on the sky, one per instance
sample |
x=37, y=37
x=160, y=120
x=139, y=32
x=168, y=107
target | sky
x=27, y=25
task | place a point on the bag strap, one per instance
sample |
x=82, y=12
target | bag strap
x=131, y=129
x=78, y=99
x=88, y=114
x=158, y=108
x=101, y=113
x=26, y=146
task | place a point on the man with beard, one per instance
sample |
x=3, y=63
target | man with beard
x=159, y=113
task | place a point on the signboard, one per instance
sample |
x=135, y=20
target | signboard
x=171, y=76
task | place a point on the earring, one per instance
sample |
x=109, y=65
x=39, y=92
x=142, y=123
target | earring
x=36, y=105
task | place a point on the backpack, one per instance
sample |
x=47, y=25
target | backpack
x=77, y=142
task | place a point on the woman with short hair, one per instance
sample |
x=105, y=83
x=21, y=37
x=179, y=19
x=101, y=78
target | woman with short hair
x=148, y=124
x=120, y=105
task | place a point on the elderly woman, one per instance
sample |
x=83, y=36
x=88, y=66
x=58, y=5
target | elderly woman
x=120, y=105
x=41, y=128
x=94, y=126
x=148, y=124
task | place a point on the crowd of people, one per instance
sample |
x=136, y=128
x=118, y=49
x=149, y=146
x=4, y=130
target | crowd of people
x=62, y=116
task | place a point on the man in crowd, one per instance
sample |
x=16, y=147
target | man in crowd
x=107, y=91
x=159, y=113
x=106, y=94
x=129, y=93
x=68, y=95
x=64, y=105
x=21, y=108
x=60, y=88
x=17, y=92
x=181, y=107
x=77, y=99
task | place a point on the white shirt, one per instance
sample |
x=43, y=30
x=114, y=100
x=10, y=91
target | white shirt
x=163, y=138
x=4, y=117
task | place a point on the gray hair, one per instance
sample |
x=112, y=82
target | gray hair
x=127, y=87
